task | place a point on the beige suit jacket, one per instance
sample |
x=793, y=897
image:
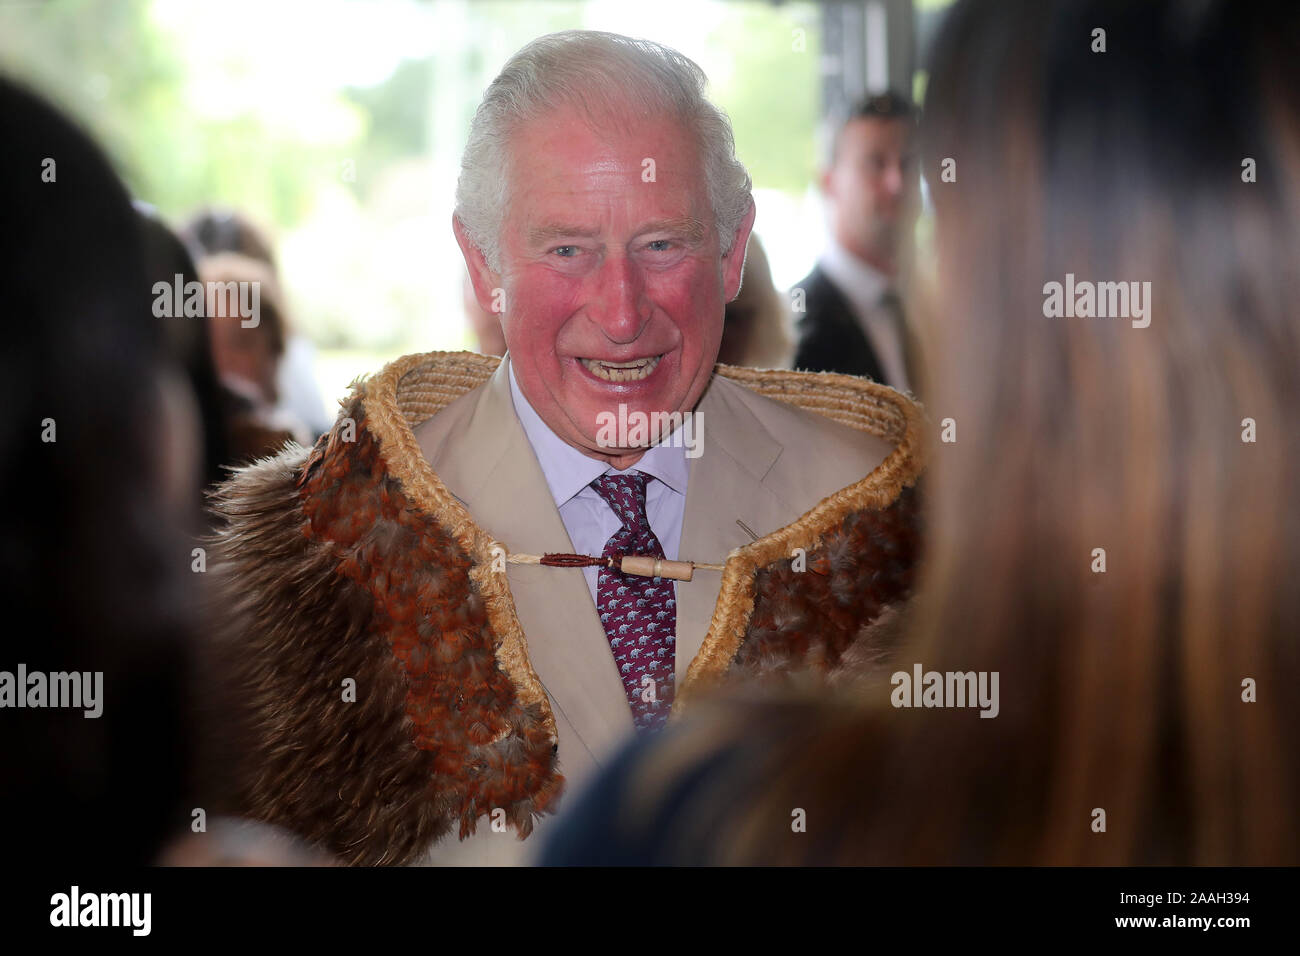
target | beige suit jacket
x=764, y=463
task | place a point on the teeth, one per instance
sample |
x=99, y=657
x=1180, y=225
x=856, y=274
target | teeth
x=622, y=371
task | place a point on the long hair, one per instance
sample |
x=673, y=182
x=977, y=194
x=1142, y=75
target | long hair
x=95, y=568
x=1160, y=691
x=187, y=341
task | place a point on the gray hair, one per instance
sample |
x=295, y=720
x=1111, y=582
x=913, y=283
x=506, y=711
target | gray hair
x=602, y=75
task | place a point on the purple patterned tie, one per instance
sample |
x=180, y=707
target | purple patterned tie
x=639, y=614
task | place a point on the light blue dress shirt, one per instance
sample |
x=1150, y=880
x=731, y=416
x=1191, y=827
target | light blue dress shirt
x=587, y=517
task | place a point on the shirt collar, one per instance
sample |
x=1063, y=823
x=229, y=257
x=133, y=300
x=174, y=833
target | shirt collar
x=568, y=471
x=862, y=283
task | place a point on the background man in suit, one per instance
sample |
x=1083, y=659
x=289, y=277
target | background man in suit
x=603, y=214
x=852, y=319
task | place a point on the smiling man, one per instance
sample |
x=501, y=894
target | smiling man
x=441, y=632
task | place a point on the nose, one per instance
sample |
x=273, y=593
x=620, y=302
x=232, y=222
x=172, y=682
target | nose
x=618, y=303
x=893, y=180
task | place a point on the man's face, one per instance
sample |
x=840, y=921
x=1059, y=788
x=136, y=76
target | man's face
x=872, y=187
x=614, y=286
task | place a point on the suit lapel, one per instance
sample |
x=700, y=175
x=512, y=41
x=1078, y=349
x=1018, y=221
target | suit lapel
x=496, y=474
x=853, y=338
x=726, y=484
x=490, y=466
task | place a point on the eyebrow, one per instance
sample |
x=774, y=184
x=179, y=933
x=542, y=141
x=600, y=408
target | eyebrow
x=690, y=228
x=559, y=230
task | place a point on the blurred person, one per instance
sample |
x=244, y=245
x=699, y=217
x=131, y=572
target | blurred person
x=754, y=327
x=1158, y=687
x=444, y=634
x=214, y=230
x=483, y=323
x=105, y=703
x=245, y=323
x=101, y=467
x=238, y=420
x=187, y=341
x=247, y=335
x=851, y=318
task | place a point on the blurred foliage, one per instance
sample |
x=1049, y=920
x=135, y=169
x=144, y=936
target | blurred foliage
x=397, y=112
x=104, y=64
x=774, y=95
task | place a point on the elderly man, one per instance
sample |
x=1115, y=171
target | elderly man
x=492, y=572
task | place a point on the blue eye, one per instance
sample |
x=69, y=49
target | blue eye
x=660, y=245
x=560, y=250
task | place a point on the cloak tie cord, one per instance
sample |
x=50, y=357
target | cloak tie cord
x=646, y=566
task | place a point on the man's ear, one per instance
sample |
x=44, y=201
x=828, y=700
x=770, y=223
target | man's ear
x=733, y=263
x=485, y=281
x=826, y=180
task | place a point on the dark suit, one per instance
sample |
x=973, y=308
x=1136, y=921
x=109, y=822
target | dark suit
x=831, y=338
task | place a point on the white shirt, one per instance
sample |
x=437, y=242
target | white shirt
x=296, y=383
x=864, y=286
x=586, y=515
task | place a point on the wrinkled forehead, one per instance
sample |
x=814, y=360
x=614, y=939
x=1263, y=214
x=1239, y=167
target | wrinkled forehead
x=568, y=154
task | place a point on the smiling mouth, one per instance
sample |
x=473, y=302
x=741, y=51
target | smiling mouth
x=633, y=371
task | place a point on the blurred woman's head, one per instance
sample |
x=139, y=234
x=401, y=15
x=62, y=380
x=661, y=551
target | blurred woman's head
x=1164, y=445
x=98, y=479
x=246, y=350
x=187, y=339
x=214, y=230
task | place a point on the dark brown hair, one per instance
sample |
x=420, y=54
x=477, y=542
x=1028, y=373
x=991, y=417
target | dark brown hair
x=888, y=105
x=214, y=230
x=94, y=566
x=1128, y=691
